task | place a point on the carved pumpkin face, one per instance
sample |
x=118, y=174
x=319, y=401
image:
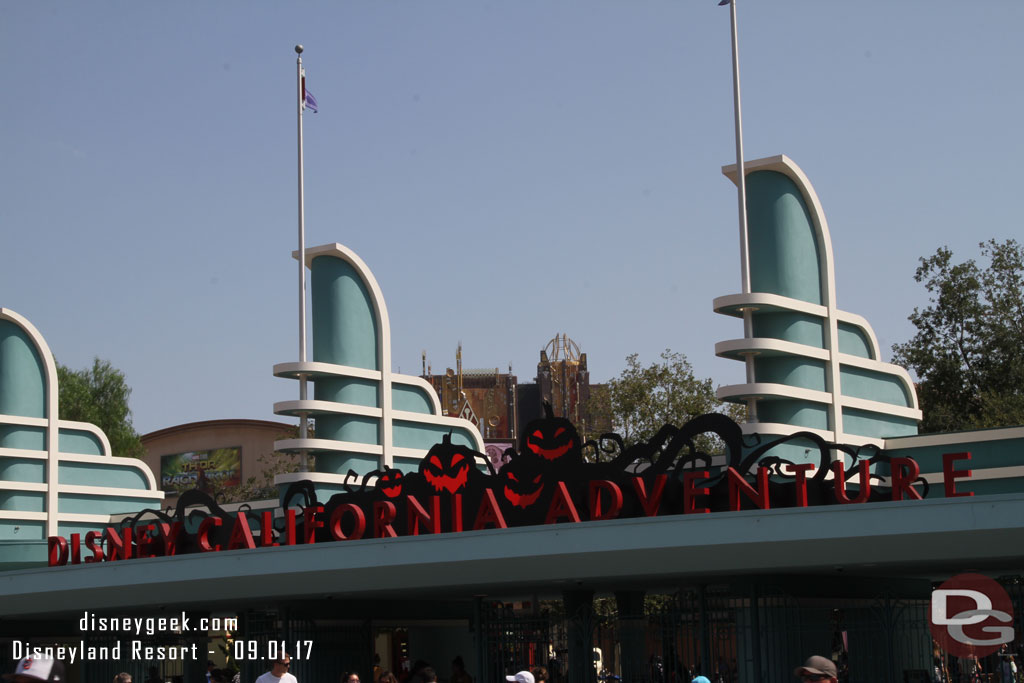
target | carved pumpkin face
x=552, y=437
x=390, y=483
x=446, y=467
x=523, y=483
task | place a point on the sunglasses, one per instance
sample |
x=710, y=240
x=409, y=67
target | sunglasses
x=283, y=663
x=815, y=677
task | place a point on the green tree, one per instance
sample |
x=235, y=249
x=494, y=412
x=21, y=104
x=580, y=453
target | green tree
x=261, y=486
x=644, y=399
x=100, y=395
x=968, y=353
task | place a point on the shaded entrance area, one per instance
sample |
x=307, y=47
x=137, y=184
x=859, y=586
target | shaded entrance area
x=737, y=632
x=735, y=596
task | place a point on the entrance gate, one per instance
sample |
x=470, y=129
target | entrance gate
x=338, y=646
x=512, y=641
x=736, y=634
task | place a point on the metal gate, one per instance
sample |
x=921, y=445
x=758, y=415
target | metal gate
x=882, y=639
x=512, y=641
x=321, y=650
x=754, y=633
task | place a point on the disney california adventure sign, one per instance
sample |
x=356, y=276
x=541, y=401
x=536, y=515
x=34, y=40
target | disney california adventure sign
x=548, y=481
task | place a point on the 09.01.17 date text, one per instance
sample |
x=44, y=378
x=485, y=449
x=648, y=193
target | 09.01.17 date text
x=271, y=650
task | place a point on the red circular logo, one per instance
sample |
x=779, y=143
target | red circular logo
x=971, y=615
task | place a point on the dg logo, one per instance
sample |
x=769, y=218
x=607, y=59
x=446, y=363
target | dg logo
x=971, y=614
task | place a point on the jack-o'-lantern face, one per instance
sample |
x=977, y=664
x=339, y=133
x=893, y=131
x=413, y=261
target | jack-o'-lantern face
x=390, y=483
x=552, y=437
x=523, y=484
x=446, y=467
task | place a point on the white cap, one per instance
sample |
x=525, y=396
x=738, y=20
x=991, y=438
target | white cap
x=38, y=668
x=521, y=677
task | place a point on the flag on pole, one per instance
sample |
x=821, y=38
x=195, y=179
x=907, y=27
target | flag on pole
x=308, y=100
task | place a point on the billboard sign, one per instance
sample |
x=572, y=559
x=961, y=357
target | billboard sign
x=202, y=470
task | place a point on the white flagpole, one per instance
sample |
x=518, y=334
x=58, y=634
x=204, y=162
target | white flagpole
x=741, y=185
x=303, y=431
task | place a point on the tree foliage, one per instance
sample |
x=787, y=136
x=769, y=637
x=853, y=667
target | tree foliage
x=261, y=486
x=968, y=353
x=100, y=395
x=645, y=398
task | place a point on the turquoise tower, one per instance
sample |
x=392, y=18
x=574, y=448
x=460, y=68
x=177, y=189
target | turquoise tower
x=367, y=417
x=57, y=477
x=816, y=368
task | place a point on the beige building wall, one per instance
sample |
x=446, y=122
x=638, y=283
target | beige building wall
x=255, y=438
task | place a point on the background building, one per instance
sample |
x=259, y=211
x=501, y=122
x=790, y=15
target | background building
x=500, y=407
x=563, y=381
x=212, y=455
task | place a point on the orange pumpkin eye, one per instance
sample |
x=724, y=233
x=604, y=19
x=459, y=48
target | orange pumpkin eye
x=560, y=430
x=537, y=435
x=536, y=480
x=513, y=477
x=457, y=459
x=435, y=461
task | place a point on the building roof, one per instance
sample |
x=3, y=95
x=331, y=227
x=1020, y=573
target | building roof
x=215, y=424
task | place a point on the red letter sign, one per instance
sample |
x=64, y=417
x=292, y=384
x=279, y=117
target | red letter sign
x=901, y=481
x=949, y=475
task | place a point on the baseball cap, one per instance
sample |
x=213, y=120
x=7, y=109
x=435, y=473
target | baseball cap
x=817, y=665
x=39, y=669
x=700, y=679
x=521, y=677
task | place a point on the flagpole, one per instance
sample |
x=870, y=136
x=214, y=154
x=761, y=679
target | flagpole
x=303, y=430
x=741, y=186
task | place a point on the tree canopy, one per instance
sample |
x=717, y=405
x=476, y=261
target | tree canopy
x=100, y=395
x=643, y=399
x=968, y=353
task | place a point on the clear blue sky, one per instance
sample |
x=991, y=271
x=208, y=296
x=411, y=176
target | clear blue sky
x=509, y=170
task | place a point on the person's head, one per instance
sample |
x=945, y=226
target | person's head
x=521, y=677
x=123, y=678
x=700, y=679
x=540, y=673
x=817, y=669
x=352, y=677
x=387, y=677
x=281, y=665
x=34, y=670
x=428, y=674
